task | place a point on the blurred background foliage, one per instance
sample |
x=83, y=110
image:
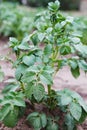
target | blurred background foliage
x=65, y=4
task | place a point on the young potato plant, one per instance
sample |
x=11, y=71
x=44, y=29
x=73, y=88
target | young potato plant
x=39, y=57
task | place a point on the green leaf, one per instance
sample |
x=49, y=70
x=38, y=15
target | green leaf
x=29, y=60
x=37, y=120
x=82, y=65
x=34, y=114
x=46, y=78
x=43, y=120
x=14, y=99
x=64, y=50
x=6, y=101
x=48, y=50
x=75, y=72
x=73, y=94
x=18, y=102
x=64, y=99
x=83, y=104
x=45, y=59
x=54, y=6
x=19, y=71
x=28, y=77
x=75, y=40
x=11, y=119
x=81, y=49
x=37, y=123
x=48, y=69
x=10, y=87
x=62, y=63
x=41, y=36
x=75, y=110
x=34, y=120
x=13, y=42
x=73, y=64
x=34, y=69
x=24, y=47
x=25, y=40
x=52, y=126
x=39, y=92
x=29, y=90
x=70, y=19
x=34, y=38
x=4, y=111
x=49, y=30
x=83, y=117
x=69, y=121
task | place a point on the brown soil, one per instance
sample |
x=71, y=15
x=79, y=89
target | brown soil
x=63, y=79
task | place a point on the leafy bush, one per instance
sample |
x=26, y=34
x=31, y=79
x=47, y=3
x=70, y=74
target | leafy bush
x=36, y=67
x=14, y=21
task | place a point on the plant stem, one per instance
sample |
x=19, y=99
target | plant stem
x=49, y=96
x=49, y=90
x=22, y=86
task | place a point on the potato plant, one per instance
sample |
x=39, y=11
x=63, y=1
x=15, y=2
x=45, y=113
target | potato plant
x=80, y=27
x=14, y=20
x=39, y=57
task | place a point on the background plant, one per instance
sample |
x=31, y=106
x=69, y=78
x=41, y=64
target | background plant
x=36, y=66
x=80, y=27
x=65, y=4
x=15, y=21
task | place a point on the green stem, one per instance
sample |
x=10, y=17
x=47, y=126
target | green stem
x=22, y=86
x=49, y=90
x=49, y=96
x=17, y=53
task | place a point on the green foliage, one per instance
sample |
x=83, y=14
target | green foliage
x=51, y=125
x=74, y=106
x=35, y=69
x=84, y=37
x=11, y=118
x=11, y=87
x=80, y=27
x=15, y=21
x=1, y=75
x=10, y=108
x=69, y=122
x=37, y=120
